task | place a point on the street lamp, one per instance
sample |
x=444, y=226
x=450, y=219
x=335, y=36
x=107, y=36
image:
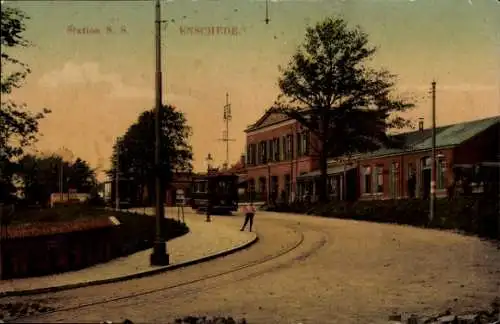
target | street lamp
x=159, y=256
x=209, y=160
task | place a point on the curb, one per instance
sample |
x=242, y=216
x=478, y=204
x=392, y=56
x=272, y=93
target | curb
x=147, y=273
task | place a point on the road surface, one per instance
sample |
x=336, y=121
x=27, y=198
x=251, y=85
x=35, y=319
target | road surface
x=304, y=269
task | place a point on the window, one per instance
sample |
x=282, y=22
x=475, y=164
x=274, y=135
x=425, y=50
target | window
x=305, y=143
x=283, y=148
x=259, y=154
x=366, y=179
x=249, y=154
x=251, y=185
x=222, y=187
x=262, y=152
x=394, y=180
x=299, y=144
x=200, y=187
x=379, y=178
x=276, y=150
x=252, y=154
x=270, y=155
x=288, y=139
x=441, y=174
x=274, y=184
x=333, y=186
x=288, y=186
x=262, y=184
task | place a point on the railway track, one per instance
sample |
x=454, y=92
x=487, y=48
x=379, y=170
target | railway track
x=306, y=244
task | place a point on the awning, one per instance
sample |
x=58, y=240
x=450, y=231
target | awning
x=330, y=171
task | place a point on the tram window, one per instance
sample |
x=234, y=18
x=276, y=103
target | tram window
x=222, y=187
x=200, y=187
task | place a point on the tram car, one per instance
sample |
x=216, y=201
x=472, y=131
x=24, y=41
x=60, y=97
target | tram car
x=220, y=188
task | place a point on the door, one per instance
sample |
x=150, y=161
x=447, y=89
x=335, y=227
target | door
x=425, y=183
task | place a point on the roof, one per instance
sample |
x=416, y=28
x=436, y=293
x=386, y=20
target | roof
x=330, y=171
x=214, y=174
x=446, y=136
x=268, y=119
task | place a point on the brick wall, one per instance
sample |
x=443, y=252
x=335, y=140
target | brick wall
x=404, y=163
x=281, y=169
x=48, y=254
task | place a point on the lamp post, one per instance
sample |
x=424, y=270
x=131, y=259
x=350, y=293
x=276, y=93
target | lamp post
x=159, y=255
x=209, y=160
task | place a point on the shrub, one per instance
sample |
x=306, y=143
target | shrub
x=137, y=232
x=474, y=215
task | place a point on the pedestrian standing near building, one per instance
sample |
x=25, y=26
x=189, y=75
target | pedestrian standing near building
x=249, y=212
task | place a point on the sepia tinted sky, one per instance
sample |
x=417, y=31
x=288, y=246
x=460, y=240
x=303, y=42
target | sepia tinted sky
x=97, y=84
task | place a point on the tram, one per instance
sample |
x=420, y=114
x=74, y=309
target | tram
x=219, y=188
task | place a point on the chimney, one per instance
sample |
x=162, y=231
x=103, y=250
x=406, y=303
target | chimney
x=421, y=124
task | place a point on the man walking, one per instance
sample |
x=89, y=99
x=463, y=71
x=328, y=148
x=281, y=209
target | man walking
x=249, y=212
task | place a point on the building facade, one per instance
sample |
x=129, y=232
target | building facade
x=278, y=151
x=390, y=173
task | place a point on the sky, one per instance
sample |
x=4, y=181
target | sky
x=97, y=84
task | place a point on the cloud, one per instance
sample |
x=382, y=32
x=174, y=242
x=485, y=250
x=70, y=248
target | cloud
x=90, y=73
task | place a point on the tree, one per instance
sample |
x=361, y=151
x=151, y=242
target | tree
x=331, y=91
x=41, y=177
x=136, y=150
x=18, y=127
x=82, y=177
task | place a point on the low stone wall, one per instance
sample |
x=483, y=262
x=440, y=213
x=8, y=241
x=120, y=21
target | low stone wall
x=27, y=253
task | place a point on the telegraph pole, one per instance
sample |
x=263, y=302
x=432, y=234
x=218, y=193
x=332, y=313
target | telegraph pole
x=433, y=157
x=159, y=255
x=225, y=135
x=267, y=12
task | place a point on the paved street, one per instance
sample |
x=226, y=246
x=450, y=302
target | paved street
x=334, y=271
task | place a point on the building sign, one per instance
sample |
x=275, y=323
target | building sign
x=64, y=197
x=179, y=197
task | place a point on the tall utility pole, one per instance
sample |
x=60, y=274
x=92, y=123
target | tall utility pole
x=433, y=158
x=117, y=175
x=267, y=12
x=225, y=135
x=159, y=255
